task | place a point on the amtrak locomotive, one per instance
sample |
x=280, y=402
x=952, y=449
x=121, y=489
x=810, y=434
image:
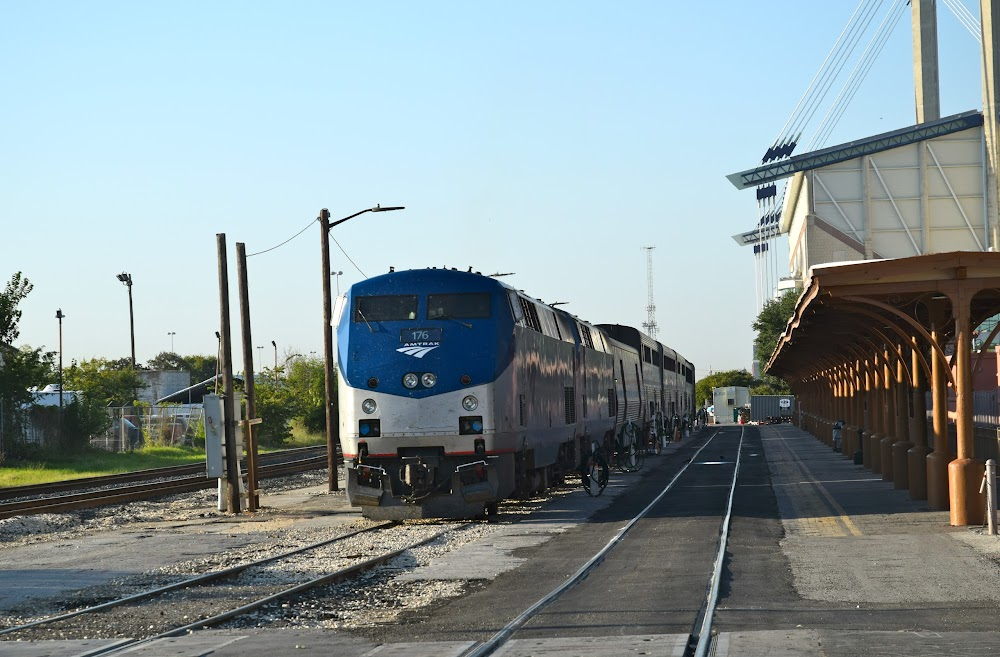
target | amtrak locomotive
x=457, y=391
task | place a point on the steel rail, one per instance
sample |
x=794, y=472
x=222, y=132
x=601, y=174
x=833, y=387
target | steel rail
x=705, y=634
x=91, y=499
x=191, y=581
x=501, y=637
x=10, y=492
x=330, y=578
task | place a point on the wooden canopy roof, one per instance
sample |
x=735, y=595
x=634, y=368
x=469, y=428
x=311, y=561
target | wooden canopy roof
x=851, y=311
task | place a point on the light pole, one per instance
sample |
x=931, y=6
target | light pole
x=338, y=274
x=332, y=432
x=126, y=280
x=59, y=316
x=260, y=357
x=275, y=345
x=171, y=334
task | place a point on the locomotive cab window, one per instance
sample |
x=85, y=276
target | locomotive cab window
x=385, y=309
x=459, y=306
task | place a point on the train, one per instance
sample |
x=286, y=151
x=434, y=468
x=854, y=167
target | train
x=457, y=391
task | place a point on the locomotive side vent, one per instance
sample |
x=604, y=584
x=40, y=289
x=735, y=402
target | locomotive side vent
x=570, y=395
x=520, y=410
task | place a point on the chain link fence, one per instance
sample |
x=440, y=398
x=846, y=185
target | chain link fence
x=133, y=427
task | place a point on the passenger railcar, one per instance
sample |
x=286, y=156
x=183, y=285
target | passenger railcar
x=457, y=391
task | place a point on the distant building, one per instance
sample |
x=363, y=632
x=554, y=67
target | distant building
x=160, y=384
x=49, y=396
x=728, y=401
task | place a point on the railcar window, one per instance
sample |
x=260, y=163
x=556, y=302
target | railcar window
x=385, y=309
x=459, y=306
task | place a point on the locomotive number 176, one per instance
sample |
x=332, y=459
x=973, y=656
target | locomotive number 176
x=420, y=335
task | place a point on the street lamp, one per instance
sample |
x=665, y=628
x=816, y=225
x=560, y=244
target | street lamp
x=331, y=412
x=126, y=280
x=171, y=334
x=260, y=357
x=275, y=345
x=59, y=316
x=338, y=274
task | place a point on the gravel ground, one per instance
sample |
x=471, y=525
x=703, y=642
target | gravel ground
x=375, y=597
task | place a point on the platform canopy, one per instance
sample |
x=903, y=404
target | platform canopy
x=848, y=310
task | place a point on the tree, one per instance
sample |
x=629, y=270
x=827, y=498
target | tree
x=305, y=380
x=104, y=382
x=202, y=368
x=771, y=323
x=168, y=360
x=276, y=407
x=15, y=292
x=703, y=388
x=20, y=369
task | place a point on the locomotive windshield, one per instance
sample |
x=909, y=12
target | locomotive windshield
x=385, y=309
x=459, y=306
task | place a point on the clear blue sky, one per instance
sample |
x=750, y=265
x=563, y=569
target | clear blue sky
x=551, y=139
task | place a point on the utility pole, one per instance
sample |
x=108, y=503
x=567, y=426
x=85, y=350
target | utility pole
x=650, y=323
x=229, y=405
x=332, y=430
x=248, y=382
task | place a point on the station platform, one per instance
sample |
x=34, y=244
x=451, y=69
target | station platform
x=874, y=572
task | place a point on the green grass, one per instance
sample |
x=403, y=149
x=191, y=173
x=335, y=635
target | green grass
x=44, y=468
x=302, y=438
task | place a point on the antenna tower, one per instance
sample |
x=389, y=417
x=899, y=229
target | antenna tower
x=650, y=323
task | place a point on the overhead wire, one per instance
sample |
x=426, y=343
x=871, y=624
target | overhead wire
x=860, y=29
x=860, y=72
x=277, y=246
x=283, y=243
x=347, y=256
x=813, y=94
x=966, y=18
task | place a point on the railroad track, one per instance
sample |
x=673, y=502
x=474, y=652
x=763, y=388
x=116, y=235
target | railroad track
x=120, y=488
x=699, y=639
x=154, y=604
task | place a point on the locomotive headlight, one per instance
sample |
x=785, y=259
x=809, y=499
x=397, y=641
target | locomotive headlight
x=369, y=406
x=470, y=403
x=411, y=380
x=428, y=380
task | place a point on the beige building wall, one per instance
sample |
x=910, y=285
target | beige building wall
x=925, y=197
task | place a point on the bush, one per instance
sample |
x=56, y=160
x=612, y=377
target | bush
x=276, y=408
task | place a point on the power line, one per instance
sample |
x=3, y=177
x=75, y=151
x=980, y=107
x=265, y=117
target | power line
x=283, y=243
x=347, y=256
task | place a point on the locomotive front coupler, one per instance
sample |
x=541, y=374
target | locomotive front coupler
x=419, y=475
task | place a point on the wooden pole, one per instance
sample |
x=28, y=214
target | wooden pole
x=253, y=502
x=229, y=406
x=332, y=420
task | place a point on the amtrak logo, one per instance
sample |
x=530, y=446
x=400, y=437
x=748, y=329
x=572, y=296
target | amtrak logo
x=418, y=349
